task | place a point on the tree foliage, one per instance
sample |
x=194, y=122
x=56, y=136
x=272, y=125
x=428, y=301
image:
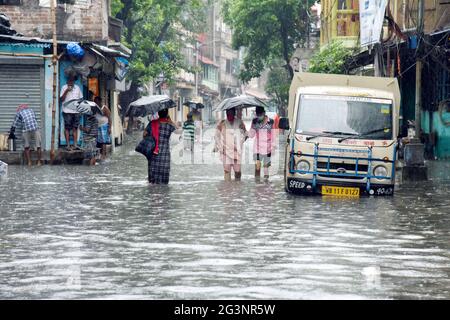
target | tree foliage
x=268, y=29
x=156, y=31
x=331, y=59
x=278, y=85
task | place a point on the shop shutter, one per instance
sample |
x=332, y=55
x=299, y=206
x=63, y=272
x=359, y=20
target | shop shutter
x=19, y=84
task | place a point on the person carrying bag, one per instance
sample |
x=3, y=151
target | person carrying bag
x=147, y=145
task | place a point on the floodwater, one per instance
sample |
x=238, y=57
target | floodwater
x=78, y=232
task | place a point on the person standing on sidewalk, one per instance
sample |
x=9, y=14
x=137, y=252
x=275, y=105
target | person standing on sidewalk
x=104, y=127
x=26, y=116
x=70, y=92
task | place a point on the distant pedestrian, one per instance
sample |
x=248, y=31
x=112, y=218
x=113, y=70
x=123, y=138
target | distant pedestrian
x=90, y=139
x=159, y=164
x=198, y=122
x=70, y=92
x=30, y=128
x=262, y=129
x=104, y=127
x=189, y=133
x=229, y=138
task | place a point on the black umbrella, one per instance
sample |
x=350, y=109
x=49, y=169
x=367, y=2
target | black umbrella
x=82, y=106
x=149, y=105
x=242, y=101
x=194, y=105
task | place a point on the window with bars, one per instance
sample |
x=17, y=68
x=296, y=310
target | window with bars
x=347, y=18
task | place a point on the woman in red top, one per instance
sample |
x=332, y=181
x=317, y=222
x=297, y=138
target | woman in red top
x=159, y=164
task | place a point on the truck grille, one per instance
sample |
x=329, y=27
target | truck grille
x=362, y=168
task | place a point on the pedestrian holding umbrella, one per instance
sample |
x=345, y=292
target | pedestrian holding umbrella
x=155, y=145
x=149, y=105
x=242, y=101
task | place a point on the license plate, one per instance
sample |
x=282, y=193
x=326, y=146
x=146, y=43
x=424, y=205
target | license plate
x=340, y=191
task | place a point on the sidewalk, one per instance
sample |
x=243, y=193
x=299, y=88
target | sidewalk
x=62, y=157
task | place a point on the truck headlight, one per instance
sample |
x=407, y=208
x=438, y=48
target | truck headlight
x=303, y=166
x=380, y=171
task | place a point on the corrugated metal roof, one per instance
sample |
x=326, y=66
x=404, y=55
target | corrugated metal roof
x=27, y=45
x=38, y=41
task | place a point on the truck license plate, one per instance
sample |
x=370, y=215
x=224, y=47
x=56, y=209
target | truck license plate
x=340, y=191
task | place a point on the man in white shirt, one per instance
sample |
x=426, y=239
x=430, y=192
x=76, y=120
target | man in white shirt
x=69, y=92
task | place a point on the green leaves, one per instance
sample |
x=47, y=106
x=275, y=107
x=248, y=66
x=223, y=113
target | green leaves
x=278, y=84
x=268, y=29
x=331, y=59
x=153, y=32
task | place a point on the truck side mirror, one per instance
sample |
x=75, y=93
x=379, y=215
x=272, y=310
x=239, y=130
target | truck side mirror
x=284, y=124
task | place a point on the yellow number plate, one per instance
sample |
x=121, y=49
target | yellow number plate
x=340, y=191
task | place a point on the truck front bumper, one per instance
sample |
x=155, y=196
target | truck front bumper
x=304, y=186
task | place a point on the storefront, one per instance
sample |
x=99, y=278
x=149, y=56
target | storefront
x=22, y=81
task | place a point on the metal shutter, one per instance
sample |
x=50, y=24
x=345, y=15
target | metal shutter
x=19, y=84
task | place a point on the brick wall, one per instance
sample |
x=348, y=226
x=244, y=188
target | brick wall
x=74, y=22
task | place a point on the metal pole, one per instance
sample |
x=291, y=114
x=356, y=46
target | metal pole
x=420, y=24
x=420, y=14
x=55, y=78
x=196, y=67
x=418, y=97
x=113, y=97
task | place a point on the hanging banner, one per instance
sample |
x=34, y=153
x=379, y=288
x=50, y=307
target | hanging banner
x=371, y=14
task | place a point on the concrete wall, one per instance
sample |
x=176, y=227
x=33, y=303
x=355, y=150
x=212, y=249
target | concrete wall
x=74, y=22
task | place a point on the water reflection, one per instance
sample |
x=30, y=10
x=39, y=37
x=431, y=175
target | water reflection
x=103, y=232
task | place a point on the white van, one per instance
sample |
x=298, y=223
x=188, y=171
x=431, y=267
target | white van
x=342, y=135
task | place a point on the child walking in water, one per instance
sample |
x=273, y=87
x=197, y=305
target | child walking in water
x=262, y=129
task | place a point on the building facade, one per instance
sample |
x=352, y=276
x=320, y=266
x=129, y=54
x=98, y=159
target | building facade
x=217, y=66
x=340, y=20
x=413, y=47
x=26, y=57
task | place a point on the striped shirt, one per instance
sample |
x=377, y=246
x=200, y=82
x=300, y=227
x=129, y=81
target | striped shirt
x=92, y=126
x=189, y=130
x=28, y=118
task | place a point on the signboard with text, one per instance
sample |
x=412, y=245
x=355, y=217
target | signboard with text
x=371, y=20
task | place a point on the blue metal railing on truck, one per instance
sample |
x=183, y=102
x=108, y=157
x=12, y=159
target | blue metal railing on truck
x=315, y=172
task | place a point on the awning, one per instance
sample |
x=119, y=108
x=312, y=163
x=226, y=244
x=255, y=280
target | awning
x=108, y=51
x=208, y=61
x=105, y=51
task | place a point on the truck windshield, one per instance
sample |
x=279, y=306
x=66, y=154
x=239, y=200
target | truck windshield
x=343, y=116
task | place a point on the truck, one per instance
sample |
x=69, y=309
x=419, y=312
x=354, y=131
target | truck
x=342, y=135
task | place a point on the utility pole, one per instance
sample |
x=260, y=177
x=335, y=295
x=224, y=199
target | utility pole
x=418, y=105
x=415, y=169
x=196, y=67
x=55, y=77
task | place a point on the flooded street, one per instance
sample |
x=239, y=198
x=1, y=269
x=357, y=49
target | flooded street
x=78, y=232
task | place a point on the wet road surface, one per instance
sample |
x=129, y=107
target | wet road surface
x=76, y=232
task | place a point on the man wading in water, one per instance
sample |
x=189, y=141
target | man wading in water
x=230, y=136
